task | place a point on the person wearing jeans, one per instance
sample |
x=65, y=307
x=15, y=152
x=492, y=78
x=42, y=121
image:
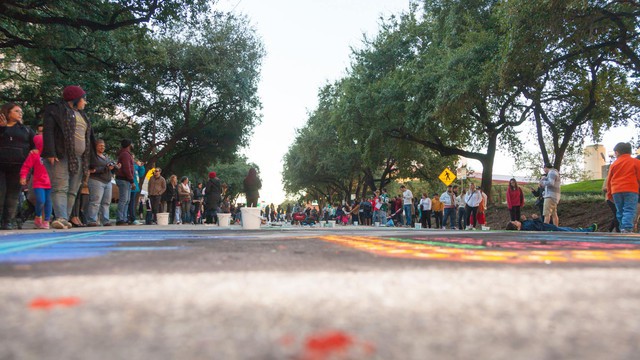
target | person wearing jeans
x=124, y=180
x=622, y=185
x=68, y=138
x=473, y=199
x=407, y=204
x=100, y=189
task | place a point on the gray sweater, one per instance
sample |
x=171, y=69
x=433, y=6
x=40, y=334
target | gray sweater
x=551, y=185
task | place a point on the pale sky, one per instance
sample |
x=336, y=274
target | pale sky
x=308, y=44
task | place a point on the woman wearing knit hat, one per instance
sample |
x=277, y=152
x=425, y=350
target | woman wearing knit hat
x=212, y=197
x=68, y=140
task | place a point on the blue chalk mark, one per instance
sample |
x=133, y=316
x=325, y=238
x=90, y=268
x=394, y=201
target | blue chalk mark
x=16, y=246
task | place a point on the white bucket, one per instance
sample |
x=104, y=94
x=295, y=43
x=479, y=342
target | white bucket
x=377, y=223
x=418, y=226
x=250, y=218
x=355, y=223
x=224, y=220
x=163, y=218
x=331, y=223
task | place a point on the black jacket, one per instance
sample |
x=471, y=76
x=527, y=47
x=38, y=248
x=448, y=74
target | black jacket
x=15, y=143
x=213, y=193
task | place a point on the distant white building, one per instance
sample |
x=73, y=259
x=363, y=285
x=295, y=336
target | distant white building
x=595, y=161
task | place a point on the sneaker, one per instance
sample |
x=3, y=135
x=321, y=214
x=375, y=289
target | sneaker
x=594, y=227
x=625, y=231
x=107, y=224
x=37, y=222
x=121, y=223
x=57, y=224
x=134, y=222
x=45, y=225
x=92, y=224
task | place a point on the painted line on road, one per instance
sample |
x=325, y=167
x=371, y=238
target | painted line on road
x=17, y=246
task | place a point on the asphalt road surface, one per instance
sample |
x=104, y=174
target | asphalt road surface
x=196, y=292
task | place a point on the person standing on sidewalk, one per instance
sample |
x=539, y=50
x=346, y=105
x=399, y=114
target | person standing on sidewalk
x=448, y=199
x=16, y=140
x=68, y=140
x=138, y=175
x=622, y=184
x=407, y=204
x=157, y=187
x=551, y=183
x=100, y=175
x=473, y=199
x=41, y=184
x=515, y=199
x=124, y=180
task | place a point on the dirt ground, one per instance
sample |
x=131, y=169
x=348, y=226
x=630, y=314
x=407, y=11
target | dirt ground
x=572, y=213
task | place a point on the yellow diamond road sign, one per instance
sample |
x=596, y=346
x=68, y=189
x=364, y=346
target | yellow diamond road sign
x=447, y=177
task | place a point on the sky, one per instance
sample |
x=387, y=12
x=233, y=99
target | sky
x=308, y=44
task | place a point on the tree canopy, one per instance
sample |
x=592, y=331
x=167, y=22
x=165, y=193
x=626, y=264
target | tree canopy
x=465, y=77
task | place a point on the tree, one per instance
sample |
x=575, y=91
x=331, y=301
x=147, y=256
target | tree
x=433, y=79
x=195, y=94
x=575, y=61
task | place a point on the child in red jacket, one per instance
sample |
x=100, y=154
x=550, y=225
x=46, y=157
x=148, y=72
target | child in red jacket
x=41, y=184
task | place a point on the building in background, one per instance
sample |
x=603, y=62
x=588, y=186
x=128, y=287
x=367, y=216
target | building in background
x=595, y=162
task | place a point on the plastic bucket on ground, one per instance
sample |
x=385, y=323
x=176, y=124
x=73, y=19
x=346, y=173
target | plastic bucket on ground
x=331, y=223
x=224, y=220
x=251, y=218
x=418, y=226
x=163, y=218
x=355, y=223
x=377, y=223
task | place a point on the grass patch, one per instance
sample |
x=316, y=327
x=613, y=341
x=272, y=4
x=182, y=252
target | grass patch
x=589, y=186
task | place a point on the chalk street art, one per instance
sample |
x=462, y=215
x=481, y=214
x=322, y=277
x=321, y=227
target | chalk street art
x=541, y=249
x=38, y=247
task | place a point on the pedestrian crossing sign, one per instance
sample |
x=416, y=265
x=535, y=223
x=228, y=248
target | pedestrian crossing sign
x=447, y=176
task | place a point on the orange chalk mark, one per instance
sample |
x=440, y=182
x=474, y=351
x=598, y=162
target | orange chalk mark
x=46, y=304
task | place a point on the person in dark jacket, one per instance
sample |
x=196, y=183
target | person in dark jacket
x=251, y=186
x=100, y=170
x=536, y=224
x=212, y=197
x=68, y=140
x=124, y=180
x=170, y=197
x=16, y=140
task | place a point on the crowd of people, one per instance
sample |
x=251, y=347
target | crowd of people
x=68, y=177
x=455, y=208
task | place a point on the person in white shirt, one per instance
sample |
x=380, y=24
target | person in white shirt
x=462, y=219
x=425, y=211
x=448, y=199
x=472, y=199
x=407, y=204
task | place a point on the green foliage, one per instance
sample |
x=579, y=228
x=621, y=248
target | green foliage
x=178, y=79
x=233, y=174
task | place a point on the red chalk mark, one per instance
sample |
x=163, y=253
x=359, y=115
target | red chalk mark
x=46, y=304
x=335, y=345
